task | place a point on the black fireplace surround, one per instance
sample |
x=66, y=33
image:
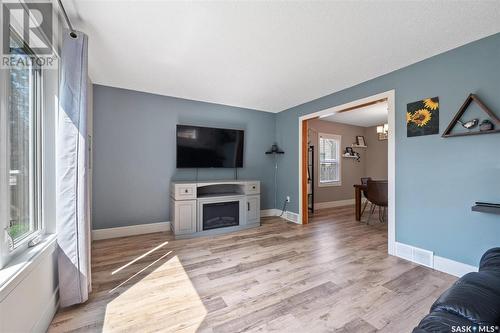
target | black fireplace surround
x=221, y=214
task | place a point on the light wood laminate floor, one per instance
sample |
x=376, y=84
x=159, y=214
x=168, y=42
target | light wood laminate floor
x=333, y=275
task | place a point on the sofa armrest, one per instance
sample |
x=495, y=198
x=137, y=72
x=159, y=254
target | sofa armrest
x=440, y=322
x=475, y=297
x=490, y=261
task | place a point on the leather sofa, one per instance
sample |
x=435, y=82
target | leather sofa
x=472, y=304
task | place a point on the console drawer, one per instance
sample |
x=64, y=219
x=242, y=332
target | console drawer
x=184, y=191
x=253, y=188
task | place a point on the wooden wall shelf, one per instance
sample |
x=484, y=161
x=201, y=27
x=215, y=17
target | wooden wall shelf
x=471, y=133
x=471, y=98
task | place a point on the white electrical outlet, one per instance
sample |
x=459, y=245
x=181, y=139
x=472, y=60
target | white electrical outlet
x=287, y=198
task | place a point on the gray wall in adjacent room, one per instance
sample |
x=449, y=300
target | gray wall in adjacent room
x=351, y=170
x=376, y=155
x=134, y=152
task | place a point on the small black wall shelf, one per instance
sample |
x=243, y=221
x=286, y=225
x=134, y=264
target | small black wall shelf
x=486, y=209
x=274, y=150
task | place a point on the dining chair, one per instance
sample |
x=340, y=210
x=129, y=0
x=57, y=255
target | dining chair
x=364, y=181
x=377, y=195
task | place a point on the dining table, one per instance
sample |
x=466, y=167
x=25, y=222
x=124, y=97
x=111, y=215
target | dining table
x=358, y=189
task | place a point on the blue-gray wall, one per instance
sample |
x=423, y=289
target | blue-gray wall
x=437, y=180
x=134, y=152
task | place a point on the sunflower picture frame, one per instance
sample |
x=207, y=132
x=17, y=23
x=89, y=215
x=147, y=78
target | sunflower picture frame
x=422, y=117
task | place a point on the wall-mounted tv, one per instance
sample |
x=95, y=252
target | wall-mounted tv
x=205, y=147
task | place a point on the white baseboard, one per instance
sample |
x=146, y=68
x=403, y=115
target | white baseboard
x=43, y=323
x=338, y=203
x=287, y=215
x=291, y=216
x=452, y=267
x=269, y=212
x=427, y=258
x=139, y=229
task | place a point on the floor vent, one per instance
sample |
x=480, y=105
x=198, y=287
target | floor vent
x=415, y=254
x=423, y=257
x=404, y=251
x=291, y=216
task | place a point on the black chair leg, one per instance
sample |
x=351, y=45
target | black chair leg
x=364, y=207
x=372, y=210
x=382, y=214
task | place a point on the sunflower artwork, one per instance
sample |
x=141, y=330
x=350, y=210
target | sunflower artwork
x=422, y=117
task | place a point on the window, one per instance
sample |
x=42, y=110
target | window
x=22, y=152
x=329, y=160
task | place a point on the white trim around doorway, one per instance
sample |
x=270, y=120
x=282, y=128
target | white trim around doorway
x=390, y=96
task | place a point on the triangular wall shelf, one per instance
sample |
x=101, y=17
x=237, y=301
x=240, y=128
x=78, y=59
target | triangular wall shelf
x=494, y=119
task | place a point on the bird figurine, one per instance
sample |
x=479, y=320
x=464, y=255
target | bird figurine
x=469, y=124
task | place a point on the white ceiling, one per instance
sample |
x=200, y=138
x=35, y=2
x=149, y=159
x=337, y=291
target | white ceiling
x=367, y=116
x=268, y=55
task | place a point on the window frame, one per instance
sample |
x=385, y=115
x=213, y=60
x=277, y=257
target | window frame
x=21, y=244
x=338, y=139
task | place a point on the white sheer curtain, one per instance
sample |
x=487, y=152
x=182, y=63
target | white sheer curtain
x=72, y=197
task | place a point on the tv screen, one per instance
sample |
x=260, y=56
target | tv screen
x=205, y=147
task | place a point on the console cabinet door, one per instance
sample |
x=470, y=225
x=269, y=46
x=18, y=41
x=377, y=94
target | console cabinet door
x=253, y=209
x=185, y=217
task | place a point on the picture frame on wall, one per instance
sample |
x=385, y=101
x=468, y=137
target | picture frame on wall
x=422, y=117
x=360, y=140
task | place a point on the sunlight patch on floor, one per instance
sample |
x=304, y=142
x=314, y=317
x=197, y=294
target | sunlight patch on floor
x=138, y=273
x=139, y=258
x=165, y=298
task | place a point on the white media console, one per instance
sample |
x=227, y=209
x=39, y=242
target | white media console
x=213, y=207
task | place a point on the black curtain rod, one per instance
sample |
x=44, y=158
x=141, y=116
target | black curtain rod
x=70, y=26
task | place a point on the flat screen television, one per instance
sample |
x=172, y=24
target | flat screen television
x=205, y=147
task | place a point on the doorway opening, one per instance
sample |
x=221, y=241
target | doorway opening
x=336, y=161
